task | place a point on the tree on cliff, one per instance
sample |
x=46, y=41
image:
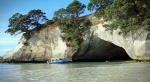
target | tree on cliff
x=72, y=12
x=99, y=6
x=19, y=23
x=61, y=16
x=129, y=15
x=70, y=22
x=37, y=18
x=76, y=9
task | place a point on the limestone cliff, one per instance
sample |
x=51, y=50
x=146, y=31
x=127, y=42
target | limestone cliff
x=136, y=44
x=41, y=46
x=101, y=43
x=98, y=44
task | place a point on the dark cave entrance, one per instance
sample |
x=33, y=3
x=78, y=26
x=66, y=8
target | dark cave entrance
x=100, y=50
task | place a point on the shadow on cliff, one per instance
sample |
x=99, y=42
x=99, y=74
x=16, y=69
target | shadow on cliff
x=96, y=49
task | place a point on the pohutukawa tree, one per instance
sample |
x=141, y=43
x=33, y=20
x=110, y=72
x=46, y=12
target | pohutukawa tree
x=37, y=18
x=129, y=15
x=19, y=23
x=70, y=22
x=76, y=8
x=99, y=6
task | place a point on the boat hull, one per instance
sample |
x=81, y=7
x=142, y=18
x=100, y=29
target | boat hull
x=58, y=62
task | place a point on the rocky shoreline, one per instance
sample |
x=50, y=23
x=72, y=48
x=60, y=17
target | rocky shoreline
x=9, y=60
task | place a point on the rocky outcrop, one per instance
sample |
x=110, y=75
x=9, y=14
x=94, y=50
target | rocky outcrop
x=99, y=44
x=41, y=46
x=99, y=50
x=136, y=44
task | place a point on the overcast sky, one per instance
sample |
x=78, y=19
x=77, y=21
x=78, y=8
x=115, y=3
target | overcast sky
x=10, y=7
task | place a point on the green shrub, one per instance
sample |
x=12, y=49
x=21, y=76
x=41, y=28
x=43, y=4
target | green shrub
x=129, y=15
x=71, y=25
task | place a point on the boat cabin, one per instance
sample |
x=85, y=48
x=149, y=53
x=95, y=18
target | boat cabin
x=55, y=59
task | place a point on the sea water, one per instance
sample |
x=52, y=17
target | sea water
x=76, y=72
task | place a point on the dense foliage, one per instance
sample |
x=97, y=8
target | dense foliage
x=99, y=6
x=129, y=15
x=19, y=23
x=71, y=24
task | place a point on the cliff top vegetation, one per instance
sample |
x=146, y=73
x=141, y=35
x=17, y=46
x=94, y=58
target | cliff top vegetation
x=129, y=15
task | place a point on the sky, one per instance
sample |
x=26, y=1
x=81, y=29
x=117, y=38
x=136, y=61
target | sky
x=10, y=7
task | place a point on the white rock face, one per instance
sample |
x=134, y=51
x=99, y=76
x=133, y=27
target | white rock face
x=41, y=46
x=50, y=41
x=47, y=43
x=136, y=44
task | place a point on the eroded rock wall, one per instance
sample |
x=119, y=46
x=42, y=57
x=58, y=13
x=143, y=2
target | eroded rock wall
x=135, y=43
x=95, y=49
x=41, y=46
x=98, y=44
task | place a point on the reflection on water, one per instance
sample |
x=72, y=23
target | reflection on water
x=76, y=72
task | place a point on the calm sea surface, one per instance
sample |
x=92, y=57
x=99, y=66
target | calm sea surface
x=76, y=72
